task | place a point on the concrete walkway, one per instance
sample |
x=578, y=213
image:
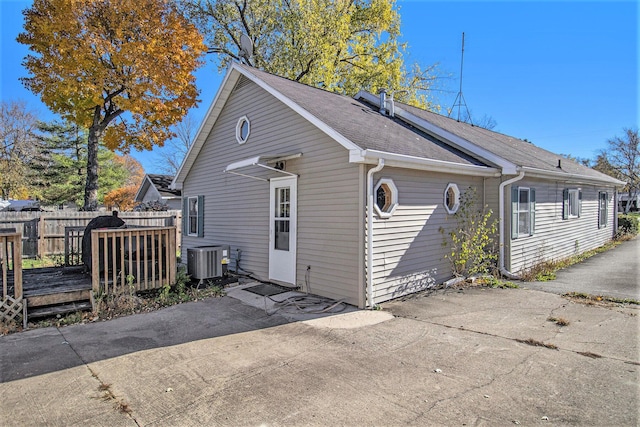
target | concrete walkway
x=614, y=273
x=455, y=357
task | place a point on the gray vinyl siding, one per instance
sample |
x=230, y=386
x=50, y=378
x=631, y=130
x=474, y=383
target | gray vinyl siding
x=556, y=238
x=236, y=210
x=408, y=252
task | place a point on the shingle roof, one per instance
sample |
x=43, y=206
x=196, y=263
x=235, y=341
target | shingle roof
x=362, y=124
x=162, y=183
x=517, y=151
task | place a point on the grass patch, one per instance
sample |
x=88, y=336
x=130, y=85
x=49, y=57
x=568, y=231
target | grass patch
x=598, y=299
x=494, y=282
x=560, y=321
x=546, y=270
x=536, y=343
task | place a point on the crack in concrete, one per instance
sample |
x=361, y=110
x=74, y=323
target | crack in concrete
x=461, y=328
x=119, y=404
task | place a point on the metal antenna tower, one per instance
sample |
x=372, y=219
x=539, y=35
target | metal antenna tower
x=460, y=101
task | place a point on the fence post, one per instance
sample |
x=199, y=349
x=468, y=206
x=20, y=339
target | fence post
x=17, y=266
x=41, y=240
x=95, y=262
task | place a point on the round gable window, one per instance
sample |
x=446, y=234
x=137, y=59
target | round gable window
x=386, y=198
x=452, y=198
x=243, y=129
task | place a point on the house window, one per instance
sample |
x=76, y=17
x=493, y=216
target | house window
x=386, y=198
x=243, y=129
x=193, y=214
x=572, y=203
x=603, y=209
x=523, y=211
x=452, y=198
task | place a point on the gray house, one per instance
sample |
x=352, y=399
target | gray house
x=344, y=197
x=157, y=188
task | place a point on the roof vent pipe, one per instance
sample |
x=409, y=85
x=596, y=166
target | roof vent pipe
x=383, y=101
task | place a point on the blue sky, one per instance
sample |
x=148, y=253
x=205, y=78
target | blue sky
x=562, y=74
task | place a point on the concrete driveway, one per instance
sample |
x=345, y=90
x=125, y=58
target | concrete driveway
x=614, y=273
x=464, y=357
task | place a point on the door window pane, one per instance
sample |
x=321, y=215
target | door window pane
x=281, y=220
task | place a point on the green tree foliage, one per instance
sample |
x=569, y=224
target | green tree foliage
x=121, y=69
x=339, y=45
x=471, y=241
x=64, y=171
x=19, y=148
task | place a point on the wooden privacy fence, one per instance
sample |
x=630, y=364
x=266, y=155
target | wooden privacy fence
x=11, y=305
x=43, y=233
x=132, y=259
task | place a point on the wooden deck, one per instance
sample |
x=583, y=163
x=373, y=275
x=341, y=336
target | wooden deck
x=53, y=290
x=137, y=259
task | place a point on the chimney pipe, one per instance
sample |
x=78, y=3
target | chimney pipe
x=383, y=101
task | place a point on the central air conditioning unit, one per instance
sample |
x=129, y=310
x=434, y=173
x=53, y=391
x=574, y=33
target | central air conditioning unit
x=207, y=262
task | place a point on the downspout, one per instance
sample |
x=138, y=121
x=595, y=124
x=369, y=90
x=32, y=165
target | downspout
x=369, y=266
x=503, y=269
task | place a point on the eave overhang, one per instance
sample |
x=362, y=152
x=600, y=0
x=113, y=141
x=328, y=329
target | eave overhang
x=419, y=163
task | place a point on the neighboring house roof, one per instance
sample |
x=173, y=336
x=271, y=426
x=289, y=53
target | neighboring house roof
x=161, y=184
x=412, y=138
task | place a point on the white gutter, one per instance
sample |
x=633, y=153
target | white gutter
x=420, y=163
x=369, y=266
x=541, y=173
x=503, y=269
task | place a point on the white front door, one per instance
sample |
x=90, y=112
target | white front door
x=282, y=229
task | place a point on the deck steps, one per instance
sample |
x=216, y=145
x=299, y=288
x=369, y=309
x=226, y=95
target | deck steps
x=53, y=291
x=52, y=310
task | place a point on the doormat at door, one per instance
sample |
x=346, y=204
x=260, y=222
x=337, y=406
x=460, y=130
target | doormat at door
x=267, y=289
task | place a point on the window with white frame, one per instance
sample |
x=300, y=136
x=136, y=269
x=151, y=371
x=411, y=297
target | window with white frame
x=243, y=129
x=193, y=214
x=572, y=203
x=603, y=209
x=523, y=211
x=451, y=198
x=386, y=198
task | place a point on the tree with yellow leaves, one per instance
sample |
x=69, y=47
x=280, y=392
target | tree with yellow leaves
x=122, y=69
x=339, y=45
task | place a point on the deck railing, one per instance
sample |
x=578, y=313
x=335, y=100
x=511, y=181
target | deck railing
x=73, y=245
x=137, y=258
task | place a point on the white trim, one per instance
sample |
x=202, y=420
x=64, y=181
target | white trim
x=146, y=182
x=572, y=177
x=530, y=229
x=198, y=207
x=420, y=163
x=228, y=83
x=282, y=264
x=332, y=133
x=456, y=198
x=501, y=225
x=575, y=204
x=387, y=213
x=241, y=121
